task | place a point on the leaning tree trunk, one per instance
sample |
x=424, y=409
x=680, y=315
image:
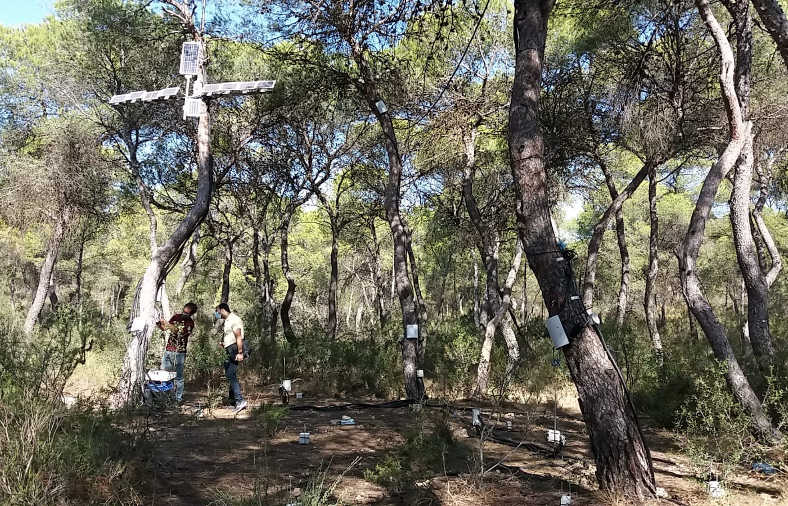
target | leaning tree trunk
x=747, y=256
x=623, y=461
x=414, y=388
x=287, y=302
x=690, y=247
x=589, y=279
x=78, y=274
x=763, y=230
x=47, y=267
x=623, y=290
x=743, y=240
x=488, y=249
x=144, y=313
x=189, y=263
x=774, y=19
x=653, y=269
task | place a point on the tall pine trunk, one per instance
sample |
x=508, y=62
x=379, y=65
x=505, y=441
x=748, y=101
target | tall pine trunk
x=774, y=19
x=623, y=461
x=623, y=288
x=594, y=245
x=144, y=313
x=333, y=280
x=414, y=387
x=287, y=302
x=653, y=269
x=47, y=268
x=690, y=247
x=228, y=265
x=487, y=245
x=189, y=263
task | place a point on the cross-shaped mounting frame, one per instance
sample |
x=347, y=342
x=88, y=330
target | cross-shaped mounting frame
x=194, y=106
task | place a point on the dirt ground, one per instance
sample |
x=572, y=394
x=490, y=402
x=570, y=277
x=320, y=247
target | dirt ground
x=205, y=456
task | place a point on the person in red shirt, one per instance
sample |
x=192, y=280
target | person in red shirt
x=180, y=327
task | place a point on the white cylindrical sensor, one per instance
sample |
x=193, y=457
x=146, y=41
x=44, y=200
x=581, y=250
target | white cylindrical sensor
x=556, y=330
x=412, y=331
x=420, y=373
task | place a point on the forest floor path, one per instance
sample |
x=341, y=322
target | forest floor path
x=211, y=456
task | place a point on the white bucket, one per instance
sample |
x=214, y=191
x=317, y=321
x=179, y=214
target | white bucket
x=161, y=375
x=303, y=438
x=287, y=385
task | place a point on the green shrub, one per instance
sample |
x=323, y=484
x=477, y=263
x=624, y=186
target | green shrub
x=50, y=454
x=715, y=426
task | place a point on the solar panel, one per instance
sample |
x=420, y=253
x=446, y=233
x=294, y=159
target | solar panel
x=190, y=58
x=233, y=88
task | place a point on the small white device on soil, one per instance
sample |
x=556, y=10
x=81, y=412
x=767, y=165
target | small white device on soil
x=715, y=489
x=566, y=500
x=555, y=437
x=476, y=417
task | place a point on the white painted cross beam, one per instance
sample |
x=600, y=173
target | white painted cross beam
x=193, y=105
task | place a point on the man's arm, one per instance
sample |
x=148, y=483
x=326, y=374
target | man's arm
x=239, y=341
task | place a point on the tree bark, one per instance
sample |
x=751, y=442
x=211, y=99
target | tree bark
x=78, y=274
x=421, y=306
x=333, y=280
x=287, y=302
x=589, y=279
x=476, y=304
x=690, y=247
x=487, y=245
x=763, y=230
x=500, y=318
x=144, y=313
x=47, y=268
x=743, y=240
x=414, y=388
x=623, y=290
x=653, y=269
x=189, y=263
x=774, y=19
x=52, y=292
x=623, y=461
x=228, y=265
x=747, y=256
